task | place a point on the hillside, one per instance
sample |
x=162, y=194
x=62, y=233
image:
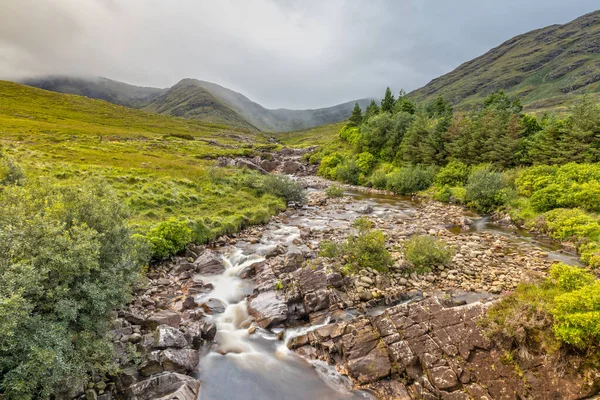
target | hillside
x=156, y=163
x=546, y=68
x=201, y=100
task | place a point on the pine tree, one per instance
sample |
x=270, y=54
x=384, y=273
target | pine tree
x=387, y=103
x=372, y=110
x=356, y=118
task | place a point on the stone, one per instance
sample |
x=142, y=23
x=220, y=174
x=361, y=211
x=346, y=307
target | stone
x=180, y=360
x=168, y=386
x=166, y=336
x=443, y=378
x=367, y=209
x=316, y=301
x=268, y=309
x=162, y=317
x=135, y=338
x=133, y=318
x=213, y=306
x=291, y=167
x=91, y=395
x=209, y=263
x=151, y=364
x=188, y=303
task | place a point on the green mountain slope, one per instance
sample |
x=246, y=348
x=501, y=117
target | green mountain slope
x=547, y=68
x=201, y=100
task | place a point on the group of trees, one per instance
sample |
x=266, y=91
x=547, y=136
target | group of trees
x=496, y=132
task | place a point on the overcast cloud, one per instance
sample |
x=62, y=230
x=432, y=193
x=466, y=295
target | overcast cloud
x=280, y=53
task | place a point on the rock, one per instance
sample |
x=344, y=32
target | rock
x=209, y=330
x=188, y=303
x=151, y=364
x=335, y=279
x=367, y=209
x=91, y=395
x=268, y=165
x=365, y=295
x=209, y=263
x=168, y=386
x=316, y=301
x=293, y=260
x=166, y=336
x=162, y=317
x=443, y=378
x=135, y=338
x=241, y=163
x=268, y=309
x=213, y=306
x=291, y=167
x=180, y=360
x=133, y=318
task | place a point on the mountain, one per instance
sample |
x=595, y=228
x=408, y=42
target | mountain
x=546, y=68
x=201, y=100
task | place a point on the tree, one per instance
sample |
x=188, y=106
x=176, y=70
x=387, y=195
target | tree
x=387, y=103
x=372, y=110
x=403, y=104
x=410, y=151
x=356, y=118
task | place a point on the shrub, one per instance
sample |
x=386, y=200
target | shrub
x=483, y=190
x=577, y=316
x=410, y=180
x=565, y=224
x=569, y=278
x=328, y=165
x=378, y=180
x=67, y=260
x=169, y=238
x=283, y=187
x=453, y=174
x=334, y=191
x=366, y=162
x=329, y=249
x=590, y=254
x=547, y=198
x=347, y=172
x=425, y=252
x=10, y=172
x=443, y=194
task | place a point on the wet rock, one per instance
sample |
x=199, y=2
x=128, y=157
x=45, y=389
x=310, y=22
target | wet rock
x=188, y=303
x=366, y=209
x=213, y=306
x=168, y=386
x=268, y=309
x=151, y=364
x=162, y=317
x=180, y=360
x=166, y=336
x=209, y=263
x=316, y=301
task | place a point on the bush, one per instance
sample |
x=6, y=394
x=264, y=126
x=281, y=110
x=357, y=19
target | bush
x=348, y=172
x=453, y=174
x=569, y=278
x=334, y=191
x=10, y=172
x=169, y=238
x=565, y=224
x=577, y=316
x=328, y=165
x=484, y=189
x=283, y=187
x=365, y=249
x=366, y=162
x=410, y=180
x=67, y=260
x=425, y=252
x=378, y=180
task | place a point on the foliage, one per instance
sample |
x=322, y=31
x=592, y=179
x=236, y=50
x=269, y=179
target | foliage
x=410, y=179
x=348, y=171
x=567, y=224
x=425, y=252
x=283, y=187
x=387, y=103
x=10, y=171
x=356, y=117
x=67, y=259
x=454, y=173
x=169, y=238
x=484, y=188
x=334, y=191
x=365, y=249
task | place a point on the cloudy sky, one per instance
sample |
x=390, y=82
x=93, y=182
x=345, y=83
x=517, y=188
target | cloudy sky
x=280, y=53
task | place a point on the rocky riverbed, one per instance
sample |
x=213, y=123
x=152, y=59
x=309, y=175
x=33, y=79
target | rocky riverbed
x=259, y=315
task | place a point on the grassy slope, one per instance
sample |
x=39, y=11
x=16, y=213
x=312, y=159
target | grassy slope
x=547, y=68
x=67, y=138
x=319, y=136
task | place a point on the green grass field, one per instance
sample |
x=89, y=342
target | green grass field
x=319, y=136
x=161, y=166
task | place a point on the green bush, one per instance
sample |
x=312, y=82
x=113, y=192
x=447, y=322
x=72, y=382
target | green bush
x=334, y=191
x=569, y=278
x=67, y=260
x=453, y=174
x=366, y=162
x=365, y=249
x=328, y=165
x=484, y=189
x=378, y=180
x=10, y=172
x=348, y=172
x=577, y=316
x=410, y=180
x=169, y=238
x=425, y=252
x=284, y=188
x=590, y=254
x=565, y=224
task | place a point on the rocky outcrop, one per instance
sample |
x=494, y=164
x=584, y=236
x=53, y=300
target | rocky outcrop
x=432, y=350
x=167, y=386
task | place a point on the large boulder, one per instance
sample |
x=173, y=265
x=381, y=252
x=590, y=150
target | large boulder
x=166, y=336
x=209, y=263
x=268, y=309
x=180, y=360
x=168, y=386
x=162, y=317
x=291, y=167
x=213, y=306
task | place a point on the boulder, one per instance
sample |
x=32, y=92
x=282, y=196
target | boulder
x=209, y=263
x=166, y=336
x=162, y=317
x=291, y=167
x=213, y=306
x=168, y=386
x=268, y=309
x=180, y=360
x=241, y=163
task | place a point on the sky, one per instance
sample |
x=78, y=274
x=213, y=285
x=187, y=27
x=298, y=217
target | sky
x=279, y=53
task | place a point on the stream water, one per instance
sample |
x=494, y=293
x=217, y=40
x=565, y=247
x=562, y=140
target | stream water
x=259, y=366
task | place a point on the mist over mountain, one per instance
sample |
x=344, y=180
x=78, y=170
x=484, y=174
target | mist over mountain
x=201, y=100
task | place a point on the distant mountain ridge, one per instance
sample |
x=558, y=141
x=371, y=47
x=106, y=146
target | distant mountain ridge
x=196, y=99
x=546, y=68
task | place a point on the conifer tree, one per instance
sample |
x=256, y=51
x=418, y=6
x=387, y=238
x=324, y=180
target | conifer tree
x=372, y=110
x=387, y=103
x=356, y=117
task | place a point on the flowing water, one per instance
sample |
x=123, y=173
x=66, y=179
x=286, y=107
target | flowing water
x=259, y=366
